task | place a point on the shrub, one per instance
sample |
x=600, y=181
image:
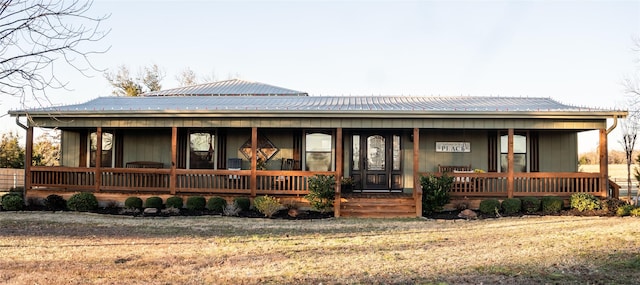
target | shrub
x=551, y=204
x=231, y=210
x=624, y=210
x=55, y=202
x=611, y=205
x=267, y=205
x=530, y=205
x=321, y=192
x=133, y=203
x=489, y=206
x=174, y=202
x=511, y=206
x=584, y=202
x=12, y=202
x=435, y=192
x=243, y=203
x=82, y=202
x=196, y=203
x=216, y=204
x=635, y=212
x=153, y=202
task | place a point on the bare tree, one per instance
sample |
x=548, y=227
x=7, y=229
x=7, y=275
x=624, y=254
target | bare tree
x=151, y=77
x=632, y=87
x=187, y=77
x=36, y=36
x=629, y=128
x=123, y=83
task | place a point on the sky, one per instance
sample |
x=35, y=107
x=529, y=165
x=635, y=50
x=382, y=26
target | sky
x=577, y=52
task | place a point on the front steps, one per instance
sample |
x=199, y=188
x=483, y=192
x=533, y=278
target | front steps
x=377, y=205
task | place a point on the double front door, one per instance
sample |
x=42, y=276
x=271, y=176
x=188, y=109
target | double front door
x=376, y=164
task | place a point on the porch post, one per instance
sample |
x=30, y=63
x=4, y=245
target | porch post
x=604, y=163
x=417, y=191
x=98, y=179
x=174, y=159
x=510, y=177
x=339, y=172
x=254, y=160
x=28, y=161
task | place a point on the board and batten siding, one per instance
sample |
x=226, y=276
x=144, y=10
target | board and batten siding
x=70, y=148
x=558, y=151
x=429, y=158
x=146, y=145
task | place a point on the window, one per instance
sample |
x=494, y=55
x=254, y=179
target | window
x=318, y=152
x=202, y=150
x=519, y=152
x=107, y=149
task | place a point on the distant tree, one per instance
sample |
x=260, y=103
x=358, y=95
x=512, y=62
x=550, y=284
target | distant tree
x=151, y=77
x=632, y=87
x=36, y=36
x=11, y=153
x=187, y=77
x=123, y=83
x=46, y=150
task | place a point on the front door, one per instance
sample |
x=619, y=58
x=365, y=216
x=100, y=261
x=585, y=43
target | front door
x=377, y=161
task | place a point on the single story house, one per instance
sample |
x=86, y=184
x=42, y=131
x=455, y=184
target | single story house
x=241, y=138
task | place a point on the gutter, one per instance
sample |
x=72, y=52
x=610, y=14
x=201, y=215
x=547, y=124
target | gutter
x=615, y=124
x=19, y=123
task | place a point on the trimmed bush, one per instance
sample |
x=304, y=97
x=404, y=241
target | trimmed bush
x=624, y=210
x=196, y=203
x=82, y=202
x=267, y=205
x=216, y=204
x=511, y=206
x=530, y=205
x=133, y=203
x=174, y=202
x=584, y=202
x=153, y=202
x=551, y=204
x=635, y=212
x=435, y=192
x=243, y=203
x=55, y=202
x=489, y=206
x=12, y=202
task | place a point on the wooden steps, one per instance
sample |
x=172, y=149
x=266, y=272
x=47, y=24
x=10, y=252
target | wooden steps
x=377, y=205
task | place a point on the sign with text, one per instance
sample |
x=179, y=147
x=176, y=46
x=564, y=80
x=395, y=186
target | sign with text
x=453, y=147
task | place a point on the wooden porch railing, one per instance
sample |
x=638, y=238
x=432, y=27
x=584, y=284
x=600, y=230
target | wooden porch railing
x=525, y=184
x=158, y=181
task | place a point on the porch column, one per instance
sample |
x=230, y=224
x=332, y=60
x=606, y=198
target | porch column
x=339, y=172
x=254, y=160
x=604, y=163
x=174, y=159
x=417, y=190
x=98, y=179
x=28, y=161
x=510, y=177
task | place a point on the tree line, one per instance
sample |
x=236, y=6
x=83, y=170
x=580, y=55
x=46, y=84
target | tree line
x=614, y=157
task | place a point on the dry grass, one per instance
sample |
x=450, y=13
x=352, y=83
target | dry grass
x=75, y=248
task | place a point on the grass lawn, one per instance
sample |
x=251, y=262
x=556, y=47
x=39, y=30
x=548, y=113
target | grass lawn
x=82, y=248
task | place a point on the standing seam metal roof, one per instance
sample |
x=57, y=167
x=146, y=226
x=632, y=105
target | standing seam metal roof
x=320, y=103
x=233, y=87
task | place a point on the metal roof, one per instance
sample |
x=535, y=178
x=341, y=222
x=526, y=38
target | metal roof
x=317, y=104
x=233, y=87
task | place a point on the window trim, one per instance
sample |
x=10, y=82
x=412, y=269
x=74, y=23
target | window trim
x=331, y=153
x=113, y=148
x=527, y=152
x=214, y=144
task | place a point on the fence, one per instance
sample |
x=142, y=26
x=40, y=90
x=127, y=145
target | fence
x=10, y=178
